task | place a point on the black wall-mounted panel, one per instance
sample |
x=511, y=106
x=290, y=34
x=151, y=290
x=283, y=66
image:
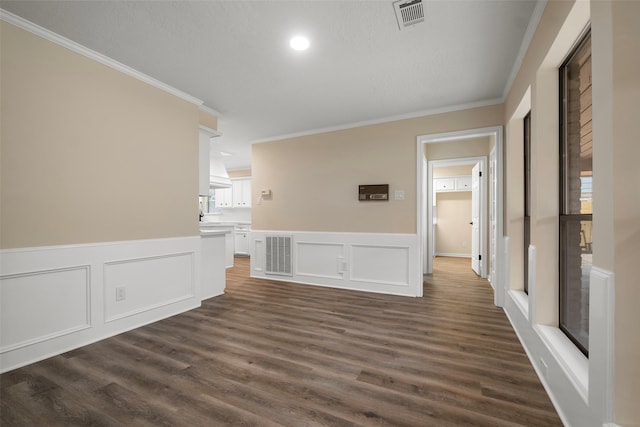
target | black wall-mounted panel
x=378, y=192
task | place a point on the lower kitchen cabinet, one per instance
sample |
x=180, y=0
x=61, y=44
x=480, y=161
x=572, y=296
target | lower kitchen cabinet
x=242, y=242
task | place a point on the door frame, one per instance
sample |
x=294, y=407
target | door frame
x=424, y=190
x=431, y=164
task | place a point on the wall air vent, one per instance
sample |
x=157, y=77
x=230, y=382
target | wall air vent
x=408, y=12
x=278, y=255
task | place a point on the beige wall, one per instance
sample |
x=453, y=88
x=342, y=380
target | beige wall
x=472, y=147
x=239, y=173
x=208, y=120
x=315, y=178
x=446, y=171
x=453, y=232
x=90, y=154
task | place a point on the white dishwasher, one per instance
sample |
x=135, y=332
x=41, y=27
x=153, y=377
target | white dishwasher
x=242, y=239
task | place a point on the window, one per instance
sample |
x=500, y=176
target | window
x=527, y=198
x=576, y=174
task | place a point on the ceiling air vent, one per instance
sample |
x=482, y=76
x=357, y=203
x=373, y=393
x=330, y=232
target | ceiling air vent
x=408, y=12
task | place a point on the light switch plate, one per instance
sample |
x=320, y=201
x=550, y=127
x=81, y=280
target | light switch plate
x=398, y=194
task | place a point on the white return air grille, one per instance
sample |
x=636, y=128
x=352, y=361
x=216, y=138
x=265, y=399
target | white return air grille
x=408, y=12
x=278, y=255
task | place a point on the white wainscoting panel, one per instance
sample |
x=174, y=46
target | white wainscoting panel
x=148, y=283
x=45, y=305
x=257, y=254
x=373, y=262
x=320, y=260
x=58, y=298
x=601, y=343
x=214, y=264
x=388, y=265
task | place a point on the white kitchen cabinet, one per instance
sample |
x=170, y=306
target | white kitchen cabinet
x=463, y=183
x=444, y=184
x=452, y=183
x=224, y=197
x=242, y=193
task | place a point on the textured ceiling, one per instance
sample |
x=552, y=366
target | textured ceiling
x=234, y=55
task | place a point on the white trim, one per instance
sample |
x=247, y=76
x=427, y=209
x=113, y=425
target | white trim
x=484, y=192
x=424, y=211
x=413, y=115
x=452, y=255
x=531, y=279
x=59, y=333
x=137, y=310
x=602, y=342
x=574, y=364
x=371, y=262
x=211, y=133
x=522, y=301
x=96, y=56
x=209, y=110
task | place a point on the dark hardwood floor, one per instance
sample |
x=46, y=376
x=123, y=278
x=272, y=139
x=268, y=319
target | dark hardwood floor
x=271, y=353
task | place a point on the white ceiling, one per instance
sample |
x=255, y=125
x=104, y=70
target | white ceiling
x=235, y=56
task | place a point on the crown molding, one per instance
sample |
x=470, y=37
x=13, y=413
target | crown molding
x=413, y=115
x=209, y=110
x=91, y=54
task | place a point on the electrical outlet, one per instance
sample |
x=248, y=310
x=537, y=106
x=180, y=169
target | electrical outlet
x=543, y=367
x=121, y=294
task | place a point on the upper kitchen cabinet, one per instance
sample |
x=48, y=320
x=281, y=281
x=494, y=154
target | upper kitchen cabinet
x=453, y=183
x=242, y=193
x=224, y=197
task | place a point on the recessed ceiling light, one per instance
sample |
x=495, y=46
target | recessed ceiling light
x=299, y=43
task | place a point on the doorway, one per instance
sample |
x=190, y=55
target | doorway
x=459, y=210
x=494, y=199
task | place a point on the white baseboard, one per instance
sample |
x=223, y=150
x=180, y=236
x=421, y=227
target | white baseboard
x=453, y=255
x=58, y=298
x=382, y=263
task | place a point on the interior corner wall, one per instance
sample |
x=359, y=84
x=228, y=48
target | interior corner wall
x=314, y=179
x=90, y=154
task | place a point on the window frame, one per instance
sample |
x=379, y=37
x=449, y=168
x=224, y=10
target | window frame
x=527, y=199
x=563, y=216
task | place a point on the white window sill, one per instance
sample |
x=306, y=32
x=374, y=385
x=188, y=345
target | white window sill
x=522, y=301
x=569, y=357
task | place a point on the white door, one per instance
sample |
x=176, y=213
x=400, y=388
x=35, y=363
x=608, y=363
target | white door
x=475, y=219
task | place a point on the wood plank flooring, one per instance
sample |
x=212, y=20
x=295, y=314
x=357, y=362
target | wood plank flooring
x=271, y=353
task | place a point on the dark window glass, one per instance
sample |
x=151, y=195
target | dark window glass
x=527, y=198
x=576, y=174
